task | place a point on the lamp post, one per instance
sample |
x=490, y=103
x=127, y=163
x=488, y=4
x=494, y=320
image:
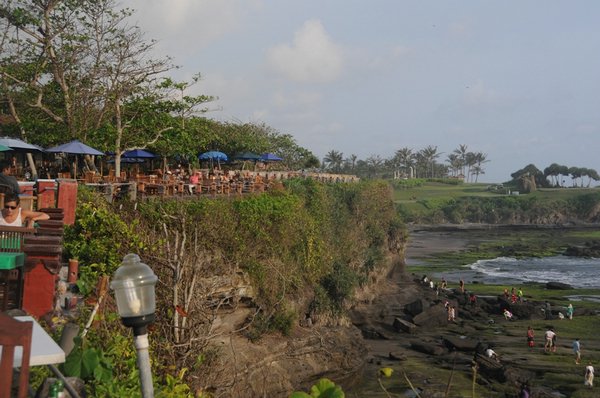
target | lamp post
x=133, y=283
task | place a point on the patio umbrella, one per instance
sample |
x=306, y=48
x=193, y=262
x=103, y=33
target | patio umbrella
x=138, y=154
x=75, y=147
x=4, y=148
x=16, y=144
x=269, y=157
x=212, y=156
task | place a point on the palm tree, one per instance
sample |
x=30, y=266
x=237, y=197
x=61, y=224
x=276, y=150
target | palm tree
x=480, y=158
x=351, y=161
x=333, y=160
x=461, y=152
x=430, y=154
x=405, y=158
x=455, y=163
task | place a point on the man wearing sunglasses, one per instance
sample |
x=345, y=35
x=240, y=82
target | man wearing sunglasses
x=13, y=215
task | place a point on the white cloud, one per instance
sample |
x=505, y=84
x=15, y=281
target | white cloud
x=312, y=57
x=184, y=25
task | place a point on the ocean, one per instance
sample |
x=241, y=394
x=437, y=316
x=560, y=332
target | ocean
x=575, y=271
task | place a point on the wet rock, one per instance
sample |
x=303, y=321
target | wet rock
x=401, y=325
x=432, y=317
x=415, y=308
x=460, y=344
x=427, y=348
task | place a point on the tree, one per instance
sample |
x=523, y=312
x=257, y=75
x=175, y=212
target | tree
x=429, y=154
x=334, y=160
x=593, y=175
x=83, y=68
x=405, y=158
x=480, y=158
x=576, y=173
x=461, y=153
x=553, y=171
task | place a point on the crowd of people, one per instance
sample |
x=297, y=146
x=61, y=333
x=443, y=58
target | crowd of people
x=515, y=296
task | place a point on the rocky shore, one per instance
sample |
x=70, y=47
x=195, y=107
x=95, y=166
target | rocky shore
x=406, y=328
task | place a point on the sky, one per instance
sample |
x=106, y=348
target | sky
x=516, y=80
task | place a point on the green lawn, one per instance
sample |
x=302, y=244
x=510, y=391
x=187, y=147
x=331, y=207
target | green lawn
x=435, y=190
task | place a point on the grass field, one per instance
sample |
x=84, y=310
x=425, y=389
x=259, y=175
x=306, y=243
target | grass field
x=434, y=190
x=420, y=200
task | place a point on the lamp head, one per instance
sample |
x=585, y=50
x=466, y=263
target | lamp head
x=133, y=283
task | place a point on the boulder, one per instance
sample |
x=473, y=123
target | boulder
x=400, y=325
x=432, y=317
x=427, y=348
x=415, y=308
x=460, y=344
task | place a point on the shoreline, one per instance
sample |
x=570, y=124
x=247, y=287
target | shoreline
x=548, y=374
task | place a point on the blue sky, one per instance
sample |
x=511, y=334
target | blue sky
x=516, y=80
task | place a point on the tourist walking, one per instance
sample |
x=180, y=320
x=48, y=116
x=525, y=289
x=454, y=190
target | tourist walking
x=589, y=375
x=577, y=351
x=570, y=311
x=530, y=337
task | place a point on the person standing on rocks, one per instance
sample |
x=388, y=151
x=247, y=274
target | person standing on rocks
x=577, y=351
x=451, y=313
x=548, y=310
x=589, y=375
x=549, y=336
x=520, y=294
x=462, y=285
x=570, y=311
x=530, y=337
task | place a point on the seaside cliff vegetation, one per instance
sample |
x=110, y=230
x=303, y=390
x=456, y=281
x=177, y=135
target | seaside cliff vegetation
x=291, y=256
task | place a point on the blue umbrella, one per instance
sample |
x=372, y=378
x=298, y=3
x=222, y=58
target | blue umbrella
x=138, y=154
x=18, y=145
x=75, y=147
x=213, y=155
x=269, y=157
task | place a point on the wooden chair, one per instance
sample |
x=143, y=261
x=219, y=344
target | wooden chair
x=12, y=261
x=14, y=333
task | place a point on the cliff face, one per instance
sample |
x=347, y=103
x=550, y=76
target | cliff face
x=262, y=284
x=277, y=365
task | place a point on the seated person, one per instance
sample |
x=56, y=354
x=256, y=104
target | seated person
x=14, y=216
x=6, y=179
x=507, y=314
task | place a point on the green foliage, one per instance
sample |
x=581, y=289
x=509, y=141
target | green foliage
x=99, y=239
x=339, y=285
x=324, y=388
x=88, y=363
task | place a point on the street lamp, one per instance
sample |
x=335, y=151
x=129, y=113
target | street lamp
x=133, y=283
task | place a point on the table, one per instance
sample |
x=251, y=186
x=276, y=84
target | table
x=44, y=350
